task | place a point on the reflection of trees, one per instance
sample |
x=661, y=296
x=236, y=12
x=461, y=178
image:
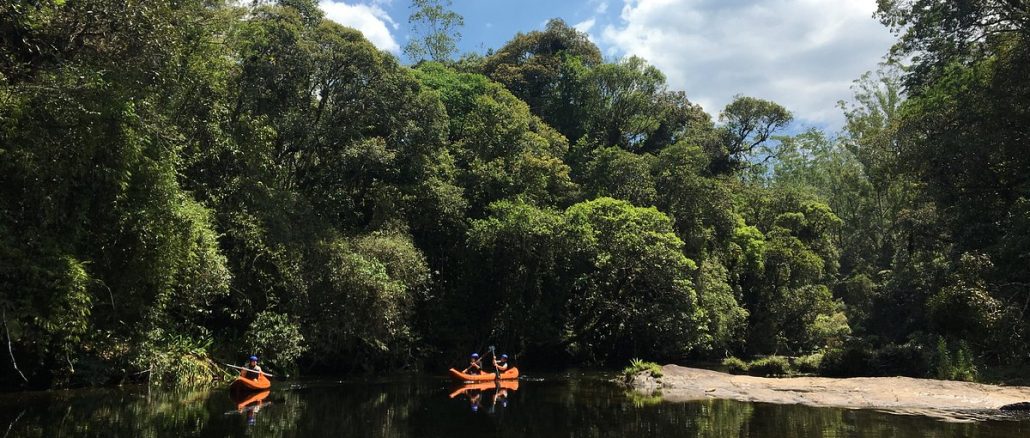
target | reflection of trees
x=590, y=408
x=119, y=413
x=723, y=418
x=578, y=407
x=277, y=419
x=640, y=399
x=366, y=410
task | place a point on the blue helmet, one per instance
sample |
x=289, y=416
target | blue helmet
x=253, y=358
x=504, y=356
x=475, y=355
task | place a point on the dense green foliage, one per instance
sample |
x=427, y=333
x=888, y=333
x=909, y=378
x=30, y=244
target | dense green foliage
x=189, y=181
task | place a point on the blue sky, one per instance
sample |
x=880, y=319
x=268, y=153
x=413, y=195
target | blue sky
x=803, y=54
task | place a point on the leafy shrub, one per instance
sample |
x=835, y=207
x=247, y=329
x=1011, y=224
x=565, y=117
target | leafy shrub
x=859, y=359
x=965, y=369
x=909, y=359
x=808, y=364
x=360, y=312
x=943, y=365
x=276, y=339
x=770, y=366
x=735, y=365
x=830, y=330
x=637, y=366
x=954, y=364
x=175, y=360
x=847, y=361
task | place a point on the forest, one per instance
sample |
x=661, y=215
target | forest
x=186, y=182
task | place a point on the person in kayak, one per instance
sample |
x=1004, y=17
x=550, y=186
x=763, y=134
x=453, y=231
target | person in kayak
x=252, y=368
x=501, y=364
x=474, y=366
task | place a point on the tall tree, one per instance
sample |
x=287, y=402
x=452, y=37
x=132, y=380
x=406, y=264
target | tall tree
x=547, y=69
x=940, y=32
x=748, y=124
x=632, y=107
x=434, y=31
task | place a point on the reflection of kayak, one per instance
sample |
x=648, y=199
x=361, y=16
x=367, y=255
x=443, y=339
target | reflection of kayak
x=485, y=377
x=511, y=385
x=245, y=399
x=242, y=383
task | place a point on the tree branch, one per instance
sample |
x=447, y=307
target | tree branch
x=10, y=350
x=11, y=426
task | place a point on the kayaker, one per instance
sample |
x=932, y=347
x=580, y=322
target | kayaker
x=501, y=363
x=252, y=366
x=474, y=365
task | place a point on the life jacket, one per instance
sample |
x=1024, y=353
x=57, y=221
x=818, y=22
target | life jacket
x=249, y=374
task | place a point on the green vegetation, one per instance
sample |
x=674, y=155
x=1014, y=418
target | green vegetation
x=189, y=182
x=775, y=366
x=771, y=366
x=808, y=364
x=637, y=366
x=735, y=365
x=434, y=29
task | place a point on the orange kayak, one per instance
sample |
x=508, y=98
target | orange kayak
x=511, y=385
x=485, y=377
x=244, y=383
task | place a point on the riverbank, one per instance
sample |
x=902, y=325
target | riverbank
x=938, y=398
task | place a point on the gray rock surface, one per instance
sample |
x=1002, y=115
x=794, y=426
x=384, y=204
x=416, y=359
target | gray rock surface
x=945, y=399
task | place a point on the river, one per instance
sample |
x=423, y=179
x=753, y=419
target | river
x=569, y=405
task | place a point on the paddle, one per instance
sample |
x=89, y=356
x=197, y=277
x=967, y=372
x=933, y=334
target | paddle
x=479, y=361
x=248, y=370
x=497, y=372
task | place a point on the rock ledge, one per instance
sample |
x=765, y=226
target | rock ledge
x=895, y=394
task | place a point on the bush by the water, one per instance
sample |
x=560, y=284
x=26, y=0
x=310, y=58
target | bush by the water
x=637, y=366
x=770, y=366
x=735, y=365
x=860, y=359
x=808, y=364
x=954, y=364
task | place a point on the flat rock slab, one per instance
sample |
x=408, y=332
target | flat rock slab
x=904, y=395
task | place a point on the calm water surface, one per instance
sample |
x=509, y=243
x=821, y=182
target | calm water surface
x=551, y=406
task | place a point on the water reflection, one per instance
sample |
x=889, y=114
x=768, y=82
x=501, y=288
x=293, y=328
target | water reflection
x=497, y=392
x=566, y=406
x=249, y=403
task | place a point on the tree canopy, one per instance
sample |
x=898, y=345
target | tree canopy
x=184, y=182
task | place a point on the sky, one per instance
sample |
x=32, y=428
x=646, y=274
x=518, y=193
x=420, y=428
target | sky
x=802, y=54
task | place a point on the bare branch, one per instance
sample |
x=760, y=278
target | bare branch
x=10, y=350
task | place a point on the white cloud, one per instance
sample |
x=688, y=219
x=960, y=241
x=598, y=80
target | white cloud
x=585, y=26
x=370, y=19
x=601, y=8
x=802, y=54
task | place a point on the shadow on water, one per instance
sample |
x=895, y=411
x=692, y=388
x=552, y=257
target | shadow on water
x=566, y=406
